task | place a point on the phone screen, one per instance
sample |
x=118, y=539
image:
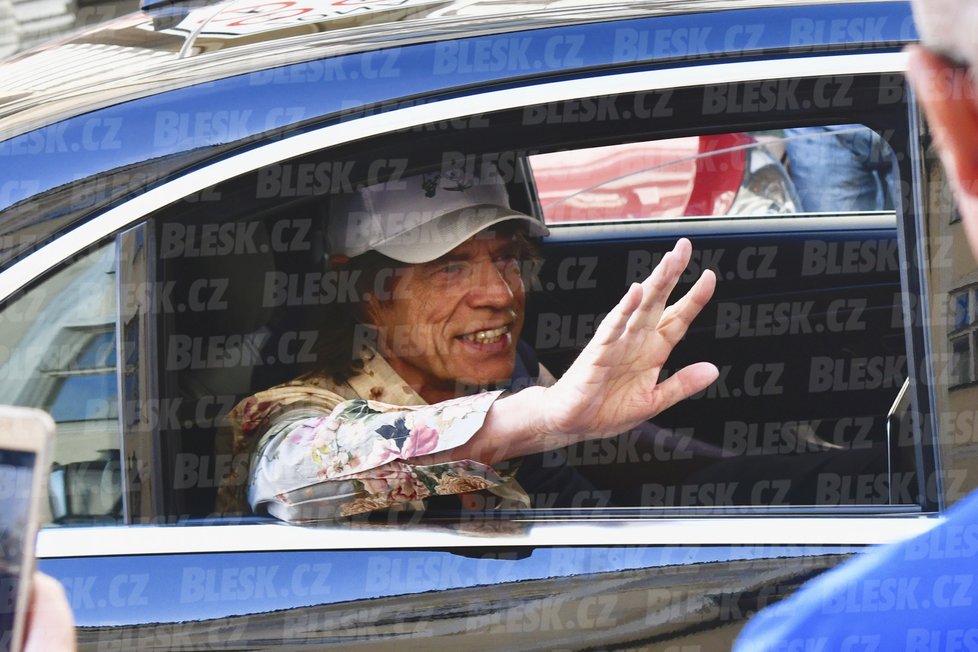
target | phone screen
x=16, y=468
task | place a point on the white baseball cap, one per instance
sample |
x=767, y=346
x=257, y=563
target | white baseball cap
x=420, y=218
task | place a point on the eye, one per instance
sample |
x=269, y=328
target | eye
x=451, y=269
x=506, y=262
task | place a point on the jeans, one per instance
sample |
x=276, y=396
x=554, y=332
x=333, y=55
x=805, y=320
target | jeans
x=840, y=168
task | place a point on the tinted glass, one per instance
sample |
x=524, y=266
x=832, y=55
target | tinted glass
x=58, y=354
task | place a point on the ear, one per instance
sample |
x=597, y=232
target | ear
x=950, y=101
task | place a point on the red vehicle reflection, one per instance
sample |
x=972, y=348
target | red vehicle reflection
x=712, y=175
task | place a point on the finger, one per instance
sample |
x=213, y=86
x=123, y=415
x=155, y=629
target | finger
x=683, y=384
x=660, y=284
x=653, y=286
x=683, y=249
x=613, y=325
x=677, y=318
x=655, y=292
x=51, y=625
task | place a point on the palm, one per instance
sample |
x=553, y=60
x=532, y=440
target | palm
x=613, y=385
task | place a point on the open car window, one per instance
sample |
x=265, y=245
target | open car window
x=809, y=327
x=824, y=169
x=811, y=407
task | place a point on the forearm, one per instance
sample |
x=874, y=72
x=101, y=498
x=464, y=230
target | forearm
x=513, y=427
x=365, y=455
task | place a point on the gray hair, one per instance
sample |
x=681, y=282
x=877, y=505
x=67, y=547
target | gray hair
x=949, y=27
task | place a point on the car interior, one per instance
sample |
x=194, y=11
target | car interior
x=806, y=324
x=785, y=426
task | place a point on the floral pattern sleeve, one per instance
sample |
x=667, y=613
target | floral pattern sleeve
x=313, y=466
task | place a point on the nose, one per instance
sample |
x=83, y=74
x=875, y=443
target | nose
x=491, y=288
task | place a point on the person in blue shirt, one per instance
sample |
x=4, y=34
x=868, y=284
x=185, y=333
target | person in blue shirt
x=920, y=594
x=840, y=168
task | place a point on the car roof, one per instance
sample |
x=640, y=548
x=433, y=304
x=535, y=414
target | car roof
x=174, y=45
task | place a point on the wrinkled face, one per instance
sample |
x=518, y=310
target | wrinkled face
x=455, y=320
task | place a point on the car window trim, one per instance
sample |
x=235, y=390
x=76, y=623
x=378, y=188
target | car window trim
x=921, y=340
x=32, y=266
x=102, y=541
x=564, y=232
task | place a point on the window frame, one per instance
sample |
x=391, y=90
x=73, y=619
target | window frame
x=967, y=330
x=139, y=208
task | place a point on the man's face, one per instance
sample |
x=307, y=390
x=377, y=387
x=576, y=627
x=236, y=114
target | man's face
x=455, y=320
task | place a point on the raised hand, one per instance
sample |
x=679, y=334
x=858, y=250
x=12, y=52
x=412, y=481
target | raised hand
x=614, y=383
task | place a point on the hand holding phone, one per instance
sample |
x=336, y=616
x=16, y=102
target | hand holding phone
x=25, y=442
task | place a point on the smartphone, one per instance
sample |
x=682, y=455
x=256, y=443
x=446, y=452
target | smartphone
x=26, y=436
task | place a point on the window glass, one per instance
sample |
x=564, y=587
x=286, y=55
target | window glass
x=804, y=327
x=78, y=398
x=98, y=353
x=962, y=334
x=59, y=354
x=961, y=360
x=961, y=316
x=807, y=325
x=842, y=168
x=86, y=387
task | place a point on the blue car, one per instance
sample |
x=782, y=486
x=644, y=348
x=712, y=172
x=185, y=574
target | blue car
x=165, y=185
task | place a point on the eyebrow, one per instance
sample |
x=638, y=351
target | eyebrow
x=511, y=247
x=447, y=258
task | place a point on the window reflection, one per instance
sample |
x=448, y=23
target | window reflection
x=59, y=354
x=833, y=169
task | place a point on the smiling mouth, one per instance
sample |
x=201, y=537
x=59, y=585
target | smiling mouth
x=490, y=336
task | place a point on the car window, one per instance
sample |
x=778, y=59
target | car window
x=783, y=171
x=59, y=354
x=807, y=326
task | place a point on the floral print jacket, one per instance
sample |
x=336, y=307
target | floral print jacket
x=327, y=451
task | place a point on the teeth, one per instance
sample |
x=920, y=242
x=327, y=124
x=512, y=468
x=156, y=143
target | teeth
x=487, y=337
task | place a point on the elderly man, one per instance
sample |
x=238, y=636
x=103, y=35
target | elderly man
x=920, y=594
x=410, y=414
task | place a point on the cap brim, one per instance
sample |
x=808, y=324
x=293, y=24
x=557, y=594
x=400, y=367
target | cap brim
x=437, y=237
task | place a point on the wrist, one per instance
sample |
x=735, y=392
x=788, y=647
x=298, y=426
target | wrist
x=515, y=424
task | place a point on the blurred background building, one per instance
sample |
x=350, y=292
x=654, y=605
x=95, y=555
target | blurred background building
x=25, y=23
